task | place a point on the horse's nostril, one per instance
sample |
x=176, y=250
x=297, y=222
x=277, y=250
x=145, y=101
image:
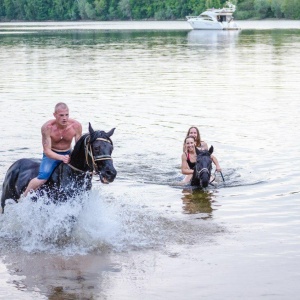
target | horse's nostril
x=205, y=184
x=111, y=173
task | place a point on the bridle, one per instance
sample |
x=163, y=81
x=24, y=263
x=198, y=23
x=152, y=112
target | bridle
x=203, y=170
x=94, y=158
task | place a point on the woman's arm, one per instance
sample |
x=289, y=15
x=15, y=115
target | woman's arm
x=215, y=161
x=185, y=169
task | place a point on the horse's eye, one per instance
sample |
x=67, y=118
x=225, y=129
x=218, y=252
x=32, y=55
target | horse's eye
x=97, y=148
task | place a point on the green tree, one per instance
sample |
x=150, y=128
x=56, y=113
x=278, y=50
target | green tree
x=291, y=9
x=125, y=9
x=245, y=9
x=276, y=7
x=195, y=7
x=113, y=10
x=9, y=9
x=2, y=9
x=212, y=3
x=140, y=9
x=263, y=7
x=36, y=10
x=86, y=10
x=101, y=8
x=19, y=6
x=58, y=10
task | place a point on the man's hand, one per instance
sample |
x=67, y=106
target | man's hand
x=66, y=159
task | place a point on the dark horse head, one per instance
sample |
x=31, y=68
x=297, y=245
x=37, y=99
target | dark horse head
x=93, y=153
x=203, y=167
x=90, y=156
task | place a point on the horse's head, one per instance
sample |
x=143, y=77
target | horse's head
x=202, y=171
x=100, y=147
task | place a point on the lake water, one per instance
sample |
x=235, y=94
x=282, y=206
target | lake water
x=145, y=236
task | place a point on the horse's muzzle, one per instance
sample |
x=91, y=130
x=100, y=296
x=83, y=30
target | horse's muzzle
x=204, y=183
x=107, y=176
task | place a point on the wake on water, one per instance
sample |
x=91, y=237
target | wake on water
x=106, y=220
x=97, y=221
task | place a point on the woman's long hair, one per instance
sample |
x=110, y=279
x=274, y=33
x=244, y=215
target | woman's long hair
x=198, y=139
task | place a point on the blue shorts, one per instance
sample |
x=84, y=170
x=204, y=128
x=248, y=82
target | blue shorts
x=48, y=165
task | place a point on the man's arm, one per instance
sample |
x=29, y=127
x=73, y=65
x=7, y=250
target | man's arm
x=46, y=140
x=78, y=131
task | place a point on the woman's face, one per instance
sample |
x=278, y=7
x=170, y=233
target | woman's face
x=193, y=132
x=190, y=144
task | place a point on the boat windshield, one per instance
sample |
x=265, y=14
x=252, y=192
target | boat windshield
x=206, y=17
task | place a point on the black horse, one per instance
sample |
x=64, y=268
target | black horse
x=202, y=170
x=91, y=155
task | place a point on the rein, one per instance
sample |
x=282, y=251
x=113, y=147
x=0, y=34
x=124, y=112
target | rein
x=215, y=178
x=78, y=170
x=89, y=153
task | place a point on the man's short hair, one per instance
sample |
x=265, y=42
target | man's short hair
x=61, y=105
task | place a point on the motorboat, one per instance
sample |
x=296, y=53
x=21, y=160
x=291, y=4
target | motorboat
x=215, y=19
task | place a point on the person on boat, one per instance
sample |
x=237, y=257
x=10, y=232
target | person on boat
x=57, y=137
x=201, y=145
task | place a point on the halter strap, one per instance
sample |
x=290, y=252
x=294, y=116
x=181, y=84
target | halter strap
x=89, y=153
x=203, y=170
x=105, y=140
x=102, y=157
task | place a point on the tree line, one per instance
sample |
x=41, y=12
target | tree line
x=102, y=10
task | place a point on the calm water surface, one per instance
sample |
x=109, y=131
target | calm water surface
x=145, y=235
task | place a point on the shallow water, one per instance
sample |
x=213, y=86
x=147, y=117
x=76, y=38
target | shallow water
x=145, y=235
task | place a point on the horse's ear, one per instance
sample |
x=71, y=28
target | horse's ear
x=111, y=132
x=91, y=130
x=211, y=149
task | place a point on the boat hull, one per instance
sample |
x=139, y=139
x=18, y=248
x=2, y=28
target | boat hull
x=208, y=25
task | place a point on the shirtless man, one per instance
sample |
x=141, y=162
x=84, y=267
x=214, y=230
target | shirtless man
x=57, y=136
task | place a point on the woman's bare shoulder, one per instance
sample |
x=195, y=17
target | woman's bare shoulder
x=204, y=145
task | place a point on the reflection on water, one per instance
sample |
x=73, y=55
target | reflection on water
x=76, y=277
x=217, y=38
x=197, y=201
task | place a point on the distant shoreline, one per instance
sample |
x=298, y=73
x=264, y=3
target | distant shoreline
x=182, y=25
x=143, y=20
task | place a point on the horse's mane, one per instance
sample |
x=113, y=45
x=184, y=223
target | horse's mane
x=206, y=152
x=78, y=144
x=203, y=153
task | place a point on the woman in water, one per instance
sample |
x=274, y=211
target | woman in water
x=191, y=147
x=189, y=158
x=194, y=131
x=201, y=145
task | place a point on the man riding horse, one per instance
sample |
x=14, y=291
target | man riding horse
x=91, y=156
x=57, y=136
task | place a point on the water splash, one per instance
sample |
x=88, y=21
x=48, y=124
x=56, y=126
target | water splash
x=98, y=221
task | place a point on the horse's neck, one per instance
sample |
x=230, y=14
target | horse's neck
x=78, y=159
